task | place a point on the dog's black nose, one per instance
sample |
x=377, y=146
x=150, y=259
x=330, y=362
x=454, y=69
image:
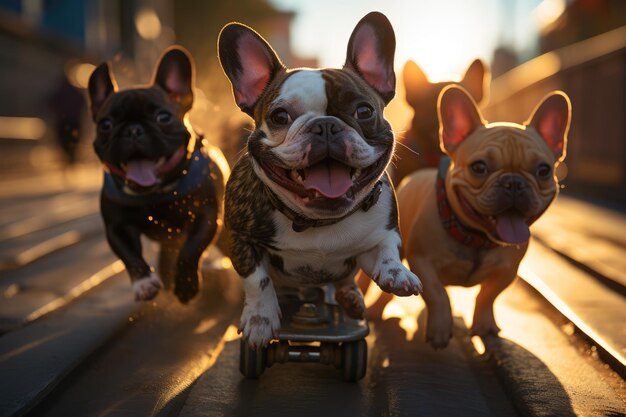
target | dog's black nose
x=135, y=130
x=513, y=182
x=326, y=127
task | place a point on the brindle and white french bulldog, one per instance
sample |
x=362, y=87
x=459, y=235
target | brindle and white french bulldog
x=161, y=179
x=310, y=202
x=468, y=223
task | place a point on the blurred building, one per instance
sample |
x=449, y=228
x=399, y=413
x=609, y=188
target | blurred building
x=580, y=20
x=504, y=59
x=583, y=54
x=44, y=45
x=49, y=47
x=198, y=24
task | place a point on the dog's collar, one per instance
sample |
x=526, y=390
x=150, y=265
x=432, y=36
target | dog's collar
x=300, y=223
x=457, y=230
x=197, y=173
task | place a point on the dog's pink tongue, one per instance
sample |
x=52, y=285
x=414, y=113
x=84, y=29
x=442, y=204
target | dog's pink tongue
x=142, y=172
x=512, y=228
x=329, y=178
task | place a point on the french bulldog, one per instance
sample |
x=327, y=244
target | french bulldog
x=468, y=223
x=162, y=180
x=310, y=203
x=419, y=147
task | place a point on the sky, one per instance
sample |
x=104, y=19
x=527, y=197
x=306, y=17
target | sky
x=442, y=36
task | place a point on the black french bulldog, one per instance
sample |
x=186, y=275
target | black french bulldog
x=161, y=178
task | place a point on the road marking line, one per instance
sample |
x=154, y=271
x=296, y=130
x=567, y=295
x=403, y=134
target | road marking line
x=203, y=364
x=537, y=283
x=35, y=224
x=48, y=246
x=91, y=282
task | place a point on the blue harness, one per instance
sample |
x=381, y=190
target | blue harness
x=198, y=173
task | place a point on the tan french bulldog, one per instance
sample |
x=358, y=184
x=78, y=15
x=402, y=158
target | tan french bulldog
x=468, y=223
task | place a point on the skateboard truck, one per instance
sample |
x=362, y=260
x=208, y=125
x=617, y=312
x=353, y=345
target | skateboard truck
x=312, y=331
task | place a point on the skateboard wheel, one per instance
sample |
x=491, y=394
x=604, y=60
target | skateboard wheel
x=252, y=362
x=354, y=360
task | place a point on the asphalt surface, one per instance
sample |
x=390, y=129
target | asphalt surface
x=73, y=341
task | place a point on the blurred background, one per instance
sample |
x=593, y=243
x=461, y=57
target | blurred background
x=69, y=326
x=48, y=49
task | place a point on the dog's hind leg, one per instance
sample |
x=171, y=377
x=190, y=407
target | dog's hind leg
x=484, y=322
x=168, y=256
x=350, y=298
x=187, y=278
x=439, y=322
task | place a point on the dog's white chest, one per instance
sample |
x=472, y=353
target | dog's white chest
x=328, y=253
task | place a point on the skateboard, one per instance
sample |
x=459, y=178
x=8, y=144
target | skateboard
x=314, y=328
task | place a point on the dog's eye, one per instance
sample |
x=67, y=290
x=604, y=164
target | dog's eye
x=163, y=117
x=105, y=125
x=479, y=168
x=543, y=171
x=280, y=117
x=364, y=112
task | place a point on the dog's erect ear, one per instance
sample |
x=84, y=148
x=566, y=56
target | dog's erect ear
x=476, y=81
x=101, y=85
x=551, y=118
x=175, y=74
x=371, y=50
x=415, y=81
x=458, y=117
x=249, y=62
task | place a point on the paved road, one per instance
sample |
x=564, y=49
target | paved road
x=73, y=342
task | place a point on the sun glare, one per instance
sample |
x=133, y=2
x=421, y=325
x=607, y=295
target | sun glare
x=148, y=23
x=443, y=37
x=407, y=309
x=548, y=11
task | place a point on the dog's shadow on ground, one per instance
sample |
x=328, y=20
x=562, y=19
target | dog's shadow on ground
x=447, y=381
x=405, y=376
x=536, y=389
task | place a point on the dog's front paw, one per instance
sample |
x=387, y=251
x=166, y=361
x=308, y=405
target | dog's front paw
x=484, y=324
x=439, y=329
x=351, y=300
x=186, y=284
x=260, y=326
x=391, y=276
x=147, y=288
